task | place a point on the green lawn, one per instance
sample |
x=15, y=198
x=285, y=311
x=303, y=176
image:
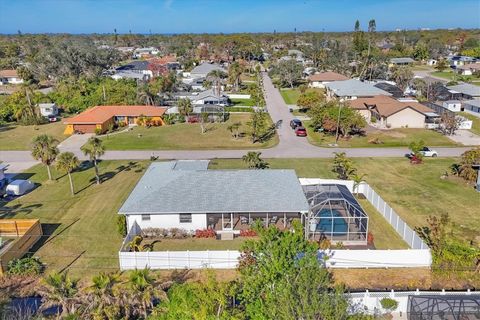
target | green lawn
x=83, y=235
x=16, y=137
x=243, y=102
x=290, y=96
x=414, y=191
x=185, y=136
x=389, y=138
x=475, y=122
x=193, y=244
x=450, y=75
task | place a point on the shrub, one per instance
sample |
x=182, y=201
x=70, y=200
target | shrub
x=389, y=304
x=205, y=233
x=122, y=225
x=370, y=238
x=25, y=267
x=248, y=233
x=98, y=131
x=177, y=233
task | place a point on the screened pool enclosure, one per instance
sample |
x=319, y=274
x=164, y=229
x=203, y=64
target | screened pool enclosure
x=335, y=214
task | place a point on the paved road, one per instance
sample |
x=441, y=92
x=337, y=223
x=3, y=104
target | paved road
x=290, y=146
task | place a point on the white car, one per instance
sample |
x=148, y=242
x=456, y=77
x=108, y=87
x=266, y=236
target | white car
x=427, y=152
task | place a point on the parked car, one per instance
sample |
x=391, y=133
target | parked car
x=52, y=118
x=426, y=152
x=19, y=187
x=295, y=123
x=301, y=132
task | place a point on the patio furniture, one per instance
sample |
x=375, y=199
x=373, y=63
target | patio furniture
x=274, y=220
x=243, y=220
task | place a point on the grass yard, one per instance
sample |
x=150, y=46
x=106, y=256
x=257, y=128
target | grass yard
x=193, y=244
x=450, y=75
x=475, y=122
x=16, y=137
x=390, y=138
x=414, y=191
x=83, y=234
x=243, y=102
x=290, y=96
x=185, y=136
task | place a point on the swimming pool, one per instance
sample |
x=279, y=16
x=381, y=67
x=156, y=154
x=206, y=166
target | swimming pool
x=339, y=226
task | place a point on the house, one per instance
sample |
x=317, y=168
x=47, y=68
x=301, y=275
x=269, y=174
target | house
x=210, y=97
x=472, y=106
x=401, y=61
x=145, y=52
x=318, y=80
x=386, y=112
x=224, y=200
x=395, y=91
x=352, y=89
x=228, y=201
x=101, y=118
x=463, y=123
x=202, y=70
x=453, y=105
x=456, y=61
x=10, y=77
x=468, y=69
x=468, y=91
x=134, y=70
x=48, y=109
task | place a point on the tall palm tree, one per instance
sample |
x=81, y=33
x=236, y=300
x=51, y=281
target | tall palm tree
x=234, y=73
x=184, y=107
x=44, y=148
x=94, y=149
x=216, y=77
x=67, y=162
x=60, y=290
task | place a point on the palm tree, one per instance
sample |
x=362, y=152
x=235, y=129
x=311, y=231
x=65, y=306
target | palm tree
x=254, y=161
x=216, y=76
x=102, y=298
x=67, y=162
x=44, y=148
x=357, y=180
x=234, y=129
x=60, y=290
x=144, y=290
x=185, y=107
x=234, y=73
x=94, y=149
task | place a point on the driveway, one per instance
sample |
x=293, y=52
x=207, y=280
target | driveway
x=74, y=142
x=466, y=138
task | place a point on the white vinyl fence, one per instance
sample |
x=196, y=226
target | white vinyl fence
x=369, y=302
x=378, y=258
x=407, y=233
x=238, y=96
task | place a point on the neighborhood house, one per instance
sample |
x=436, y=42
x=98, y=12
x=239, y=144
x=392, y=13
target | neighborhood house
x=352, y=89
x=318, y=80
x=185, y=194
x=101, y=118
x=10, y=77
x=48, y=109
x=386, y=112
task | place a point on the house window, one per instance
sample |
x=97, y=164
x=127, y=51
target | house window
x=145, y=217
x=185, y=218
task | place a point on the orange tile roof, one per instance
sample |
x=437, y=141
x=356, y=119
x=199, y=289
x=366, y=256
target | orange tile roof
x=386, y=106
x=327, y=76
x=11, y=73
x=100, y=114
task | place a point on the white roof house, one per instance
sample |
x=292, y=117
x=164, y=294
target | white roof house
x=202, y=70
x=352, y=89
x=185, y=194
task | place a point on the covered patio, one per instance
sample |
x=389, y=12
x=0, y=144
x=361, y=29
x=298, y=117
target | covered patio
x=244, y=221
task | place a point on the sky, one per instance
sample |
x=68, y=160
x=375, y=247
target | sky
x=231, y=16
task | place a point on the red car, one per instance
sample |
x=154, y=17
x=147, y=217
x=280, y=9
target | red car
x=301, y=132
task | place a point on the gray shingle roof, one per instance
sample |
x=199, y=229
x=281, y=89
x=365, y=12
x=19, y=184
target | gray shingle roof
x=466, y=88
x=402, y=60
x=356, y=88
x=205, y=68
x=162, y=189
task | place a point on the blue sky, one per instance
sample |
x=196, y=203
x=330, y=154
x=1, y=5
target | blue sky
x=213, y=16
